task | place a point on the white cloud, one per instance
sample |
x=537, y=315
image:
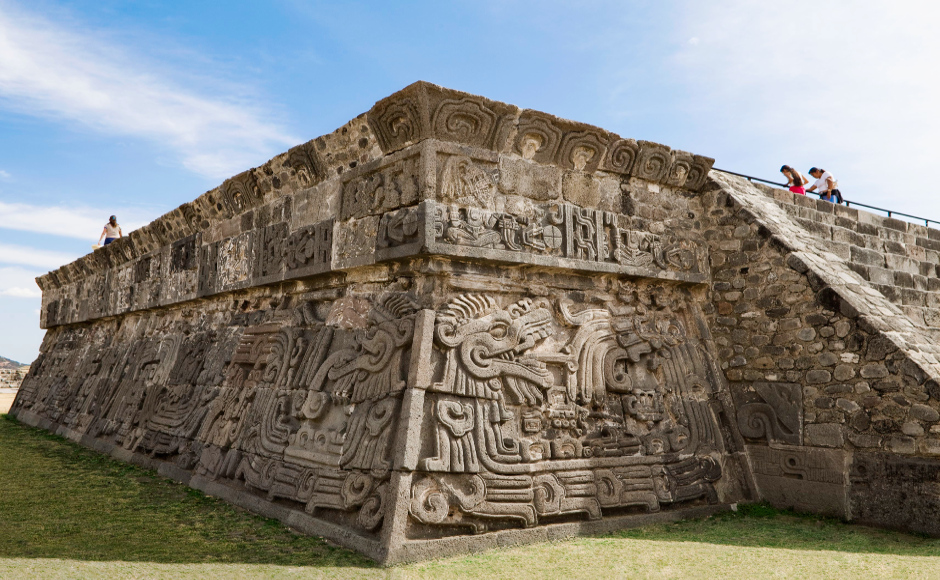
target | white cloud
x=17, y=292
x=83, y=223
x=46, y=69
x=17, y=282
x=851, y=87
x=26, y=256
x=5, y=175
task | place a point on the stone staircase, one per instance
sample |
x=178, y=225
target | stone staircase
x=900, y=260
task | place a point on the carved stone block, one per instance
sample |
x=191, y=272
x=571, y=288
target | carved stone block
x=309, y=250
x=772, y=412
x=423, y=110
x=392, y=186
x=801, y=478
x=183, y=255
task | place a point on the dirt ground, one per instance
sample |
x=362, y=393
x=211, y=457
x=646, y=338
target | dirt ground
x=6, y=399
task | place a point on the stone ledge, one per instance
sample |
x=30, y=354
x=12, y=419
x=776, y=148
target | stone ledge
x=416, y=551
x=419, y=112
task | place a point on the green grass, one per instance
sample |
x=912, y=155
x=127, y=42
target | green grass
x=68, y=512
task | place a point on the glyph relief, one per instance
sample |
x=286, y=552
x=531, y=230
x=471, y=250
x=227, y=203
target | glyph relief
x=466, y=183
x=294, y=409
x=547, y=407
x=390, y=187
x=566, y=231
x=234, y=260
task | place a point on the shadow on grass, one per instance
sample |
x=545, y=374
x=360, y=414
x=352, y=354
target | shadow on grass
x=61, y=500
x=763, y=526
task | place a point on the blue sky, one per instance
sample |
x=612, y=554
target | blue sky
x=134, y=108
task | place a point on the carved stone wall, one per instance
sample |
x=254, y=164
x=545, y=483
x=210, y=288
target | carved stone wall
x=404, y=420
x=453, y=324
x=445, y=326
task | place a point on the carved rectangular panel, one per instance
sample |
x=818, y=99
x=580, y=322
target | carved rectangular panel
x=389, y=187
x=771, y=412
x=183, y=255
x=547, y=408
x=309, y=250
x=802, y=478
x=555, y=235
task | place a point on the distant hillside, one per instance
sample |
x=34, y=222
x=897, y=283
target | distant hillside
x=6, y=363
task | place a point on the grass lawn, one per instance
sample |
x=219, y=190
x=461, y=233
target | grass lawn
x=68, y=512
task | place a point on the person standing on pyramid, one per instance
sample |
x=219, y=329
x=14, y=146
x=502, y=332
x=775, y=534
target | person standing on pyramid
x=827, y=184
x=795, y=179
x=111, y=231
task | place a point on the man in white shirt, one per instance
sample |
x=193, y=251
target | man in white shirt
x=827, y=185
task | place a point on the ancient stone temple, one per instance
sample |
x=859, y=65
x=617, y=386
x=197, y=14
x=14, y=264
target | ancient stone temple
x=453, y=324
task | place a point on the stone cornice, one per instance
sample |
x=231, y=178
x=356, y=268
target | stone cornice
x=422, y=111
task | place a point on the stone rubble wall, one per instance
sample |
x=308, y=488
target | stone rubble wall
x=899, y=259
x=835, y=380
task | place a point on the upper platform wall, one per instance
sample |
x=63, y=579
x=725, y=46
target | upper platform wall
x=318, y=207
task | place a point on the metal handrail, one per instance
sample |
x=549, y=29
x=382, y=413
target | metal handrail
x=848, y=203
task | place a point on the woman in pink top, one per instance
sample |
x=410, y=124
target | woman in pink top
x=795, y=179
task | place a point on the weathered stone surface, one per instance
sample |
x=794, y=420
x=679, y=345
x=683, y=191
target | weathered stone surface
x=770, y=411
x=801, y=478
x=924, y=413
x=893, y=491
x=824, y=435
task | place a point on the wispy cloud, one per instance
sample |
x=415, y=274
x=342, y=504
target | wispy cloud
x=27, y=256
x=48, y=69
x=845, y=86
x=4, y=175
x=17, y=282
x=83, y=223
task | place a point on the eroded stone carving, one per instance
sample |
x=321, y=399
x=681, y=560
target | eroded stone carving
x=564, y=408
x=241, y=192
x=310, y=247
x=463, y=182
x=391, y=187
x=303, y=159
x=770, y=411
x=234, y=260
x=567, y=231
x=423, y=110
